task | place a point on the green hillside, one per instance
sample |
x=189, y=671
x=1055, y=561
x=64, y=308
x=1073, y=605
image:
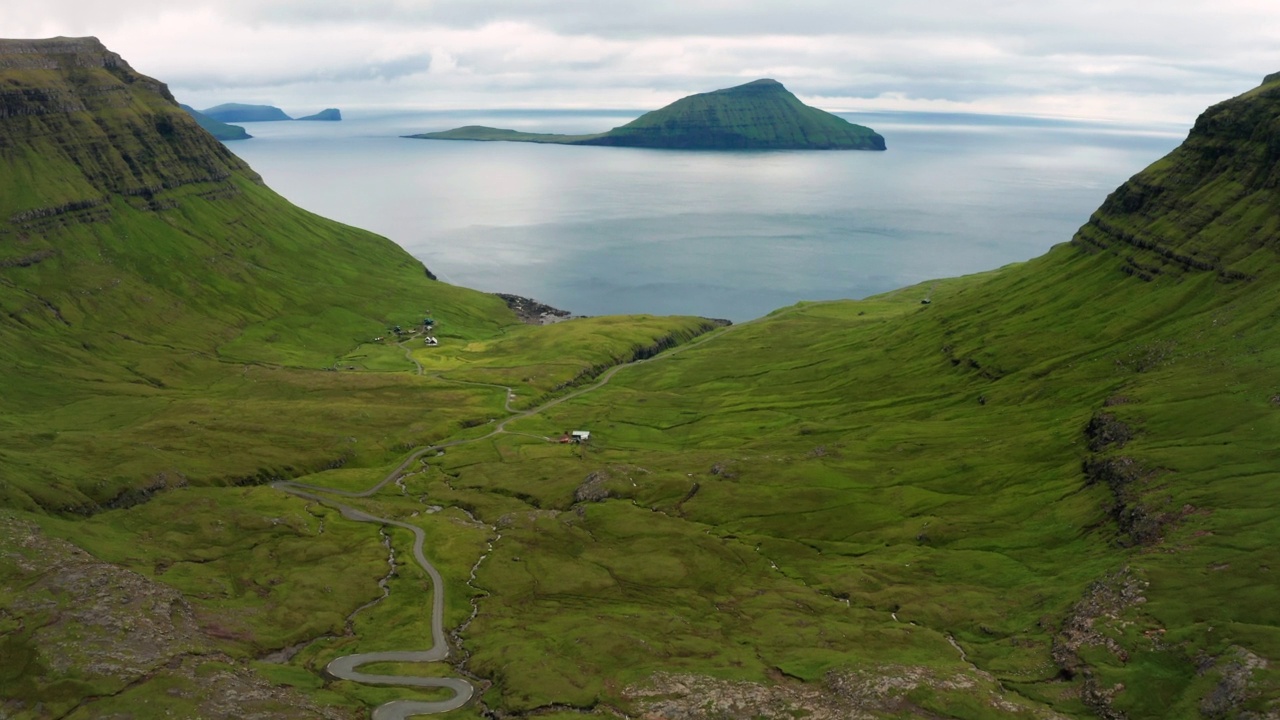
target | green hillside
x=1049, y=492
x=146, y=275
x=217, y=128
x=140, y=258
x=761, y=115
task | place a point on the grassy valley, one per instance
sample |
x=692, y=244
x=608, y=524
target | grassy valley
x=1046, y=493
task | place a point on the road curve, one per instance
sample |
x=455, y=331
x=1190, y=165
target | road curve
x=347, y=666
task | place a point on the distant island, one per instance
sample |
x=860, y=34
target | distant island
x=761, y=115
x=217, y=128
x=215, y=119
x=328, y=115
x=239, y=112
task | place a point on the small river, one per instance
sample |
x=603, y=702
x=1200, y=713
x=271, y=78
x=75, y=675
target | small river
x=720, y=234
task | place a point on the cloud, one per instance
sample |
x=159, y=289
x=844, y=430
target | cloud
x=1117, y=59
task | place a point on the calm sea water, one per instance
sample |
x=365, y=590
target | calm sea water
x=719, y=234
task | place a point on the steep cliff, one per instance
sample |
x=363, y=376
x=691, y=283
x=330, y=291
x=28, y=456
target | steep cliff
x=78, y=113
x=1212, y=205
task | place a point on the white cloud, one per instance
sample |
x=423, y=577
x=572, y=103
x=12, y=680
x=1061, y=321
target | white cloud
x=1115, y=59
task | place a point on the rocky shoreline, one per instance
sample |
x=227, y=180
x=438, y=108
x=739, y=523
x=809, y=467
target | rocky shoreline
x=532, y=312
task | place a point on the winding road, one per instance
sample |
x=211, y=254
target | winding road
x=347, y=667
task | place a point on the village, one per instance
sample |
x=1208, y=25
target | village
x=568, y=437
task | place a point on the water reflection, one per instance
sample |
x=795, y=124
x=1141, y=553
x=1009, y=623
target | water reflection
x=735, y=235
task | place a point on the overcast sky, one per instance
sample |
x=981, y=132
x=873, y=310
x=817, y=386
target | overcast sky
x=1128, y=60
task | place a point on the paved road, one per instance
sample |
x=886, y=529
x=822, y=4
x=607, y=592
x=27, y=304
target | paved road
x=347, y=667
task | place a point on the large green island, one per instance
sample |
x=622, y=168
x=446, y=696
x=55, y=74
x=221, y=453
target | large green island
x=761, y=115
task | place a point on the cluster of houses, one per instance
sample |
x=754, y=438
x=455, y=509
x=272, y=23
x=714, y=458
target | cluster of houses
x=428, y=325
x=576, y=437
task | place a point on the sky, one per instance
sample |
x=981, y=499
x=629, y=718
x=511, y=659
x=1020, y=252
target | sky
x=1131, y=61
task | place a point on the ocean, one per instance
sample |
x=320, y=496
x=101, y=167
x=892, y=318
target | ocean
x=597, y=230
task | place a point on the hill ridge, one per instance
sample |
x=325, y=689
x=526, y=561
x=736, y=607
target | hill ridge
x=1208, y=206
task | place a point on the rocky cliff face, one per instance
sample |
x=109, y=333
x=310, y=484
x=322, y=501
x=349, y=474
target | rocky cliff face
x=1212, y=205
x=67, y=55
x=72, y=110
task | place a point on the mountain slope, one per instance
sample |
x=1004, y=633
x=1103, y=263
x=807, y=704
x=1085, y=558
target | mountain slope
x=1209, y=206
x=138, y=256
x=760, y=115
